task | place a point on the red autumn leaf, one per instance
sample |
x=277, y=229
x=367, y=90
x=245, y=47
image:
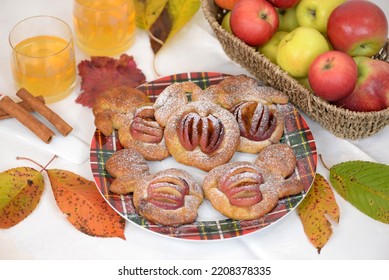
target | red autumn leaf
x=102, y=73
x=84, y=206
x=20, y=192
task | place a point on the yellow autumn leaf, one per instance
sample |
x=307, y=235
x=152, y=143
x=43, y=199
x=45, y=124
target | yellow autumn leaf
x=172, y=18
x=21, y=189
x=181, y=11
x=313, y=211
x=147, y=11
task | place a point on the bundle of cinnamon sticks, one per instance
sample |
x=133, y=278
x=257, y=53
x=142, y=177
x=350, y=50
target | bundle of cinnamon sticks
x=22, y=112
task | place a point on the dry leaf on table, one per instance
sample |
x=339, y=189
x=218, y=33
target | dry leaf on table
x=313, y=211
x=102, y=73
x=164, y=21
x=20, y=192
x=147, y=12
x=84, y=206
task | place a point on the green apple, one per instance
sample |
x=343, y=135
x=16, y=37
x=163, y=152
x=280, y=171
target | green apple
x=328, y=41
x=226, y=22
x=270, y=48
x=315, y=13
x=287, y=19
x=298, y=49
x=305, y=83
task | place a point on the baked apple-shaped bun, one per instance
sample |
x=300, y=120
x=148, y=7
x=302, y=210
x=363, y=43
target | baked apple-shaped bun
x=259, y=125
x=127, y=166
x=235, y=89
x=278, y=158
x=202, y=134
x=171, y=99
x=116, y=105
x=144, y=134
x=244, y=191
x=260, y=122
x=170, y=197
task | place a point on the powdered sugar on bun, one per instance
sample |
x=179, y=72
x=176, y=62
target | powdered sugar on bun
x=171, y=99
x=170, y=197
x=197, y=157
x=128, y=167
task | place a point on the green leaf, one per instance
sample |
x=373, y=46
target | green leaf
x=313, y=211
x=174, y=16
x=365, y=185
x=20, y=192
x=147, y=11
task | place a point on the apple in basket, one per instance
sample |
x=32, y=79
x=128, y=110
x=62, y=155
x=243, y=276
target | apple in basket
x=226, y=4
x=333, y=75
x=226, y=22
x=254, y=21
x=359, y=28
x=372, y=90
x=287, y=19
x=270, y=49
x=298, y=49
x=284, y=4
x=315, y=13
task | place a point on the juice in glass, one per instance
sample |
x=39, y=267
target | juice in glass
x=42, y=60
x=105, y=27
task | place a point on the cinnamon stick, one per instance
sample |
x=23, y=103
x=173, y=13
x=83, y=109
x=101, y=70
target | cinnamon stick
x=5, y=115
x=40, y=107
x=26, y=118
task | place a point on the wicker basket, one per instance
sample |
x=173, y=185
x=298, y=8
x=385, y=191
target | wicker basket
x=341, y=122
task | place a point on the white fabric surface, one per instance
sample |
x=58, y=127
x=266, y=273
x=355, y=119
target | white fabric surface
x=46, y=234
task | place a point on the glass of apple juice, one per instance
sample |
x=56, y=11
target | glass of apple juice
x=104, y=27
x=43, y=59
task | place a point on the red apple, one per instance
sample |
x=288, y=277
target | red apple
x=333, y=75
x=358, y=27
x=253, y=21
x=372, y=90
x=284, y=4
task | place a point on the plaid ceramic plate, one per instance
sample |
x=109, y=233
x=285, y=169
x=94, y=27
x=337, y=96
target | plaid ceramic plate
x=210, y=225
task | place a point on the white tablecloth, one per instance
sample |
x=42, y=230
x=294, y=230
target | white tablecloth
x=46, y=234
